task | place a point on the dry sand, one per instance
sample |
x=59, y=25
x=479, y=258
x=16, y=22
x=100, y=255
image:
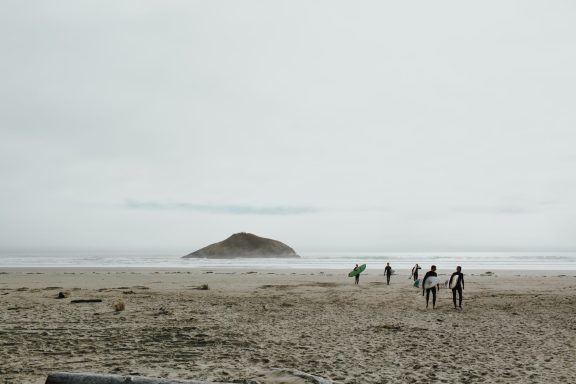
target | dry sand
x=268, y=326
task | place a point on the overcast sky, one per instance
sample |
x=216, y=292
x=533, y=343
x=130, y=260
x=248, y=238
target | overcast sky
x=327, y=125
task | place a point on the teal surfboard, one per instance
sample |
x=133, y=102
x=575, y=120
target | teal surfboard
x=358, y=271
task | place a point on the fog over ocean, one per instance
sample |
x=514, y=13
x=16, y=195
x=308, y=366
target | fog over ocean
x=316, y=261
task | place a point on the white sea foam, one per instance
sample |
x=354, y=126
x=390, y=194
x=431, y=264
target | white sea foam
x=313, y=261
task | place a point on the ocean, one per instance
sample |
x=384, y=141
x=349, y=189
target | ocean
x=317, y=261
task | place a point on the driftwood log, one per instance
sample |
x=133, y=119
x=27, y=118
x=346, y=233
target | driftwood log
x=92, y=378
x=86, y=301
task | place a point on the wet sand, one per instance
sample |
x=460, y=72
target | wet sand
x=260, y=326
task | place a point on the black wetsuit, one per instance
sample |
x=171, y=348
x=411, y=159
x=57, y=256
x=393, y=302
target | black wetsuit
x=457, y=288
x=415, y=272
x=388, y=272
x=433, y=289
x=357, y=277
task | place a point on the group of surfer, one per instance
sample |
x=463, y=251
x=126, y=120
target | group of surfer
x=456, y=282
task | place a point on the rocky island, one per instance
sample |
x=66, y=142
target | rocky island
x=244, y=245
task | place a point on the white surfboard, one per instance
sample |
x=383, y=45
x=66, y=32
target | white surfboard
x=431, y=282
x=453, y=281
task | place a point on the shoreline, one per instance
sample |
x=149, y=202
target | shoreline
x=369, y=271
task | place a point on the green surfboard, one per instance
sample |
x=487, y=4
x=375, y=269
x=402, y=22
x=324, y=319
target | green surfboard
x=358, y=271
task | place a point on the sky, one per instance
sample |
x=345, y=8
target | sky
x=328, y=125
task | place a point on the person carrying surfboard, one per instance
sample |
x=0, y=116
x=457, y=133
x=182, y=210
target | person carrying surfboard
x=415, y=272
x=356, y=272
x=457, y=285
x=357, y=277
x=388, y=273
x=429, y=285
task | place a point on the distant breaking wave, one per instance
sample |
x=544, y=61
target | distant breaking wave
x=314, y=261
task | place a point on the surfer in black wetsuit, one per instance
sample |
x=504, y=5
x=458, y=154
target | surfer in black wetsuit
x=415, y=272
x=357, y=277
x=430, y=273
x=457, y=285
x=388, y=273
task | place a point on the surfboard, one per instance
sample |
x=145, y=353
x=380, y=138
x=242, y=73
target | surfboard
x=358, y=271
x=431, y=282
x=417, y=283
x=453, y=281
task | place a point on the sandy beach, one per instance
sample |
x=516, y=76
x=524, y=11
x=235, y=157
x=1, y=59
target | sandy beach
x=261, y=326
